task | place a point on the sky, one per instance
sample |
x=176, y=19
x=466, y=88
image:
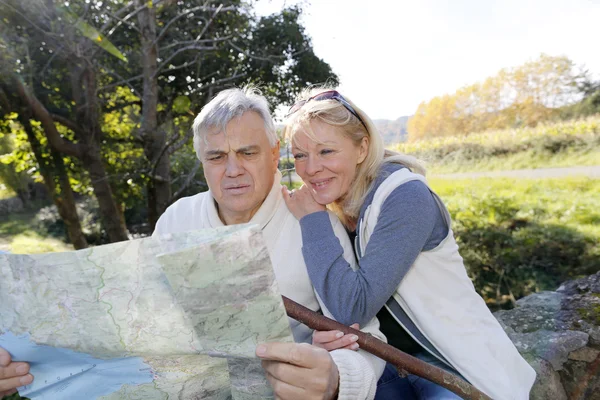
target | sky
x=391, y=55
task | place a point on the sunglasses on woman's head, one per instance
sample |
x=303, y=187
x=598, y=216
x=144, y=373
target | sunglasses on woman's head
x=328, y=95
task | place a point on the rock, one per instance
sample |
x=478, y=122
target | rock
x=547, y=383
x=559, y=334
x=542, y=301
x=585, y=354
x=553, y=347
x=10, y=206
x=581, y=380
x=594, y=333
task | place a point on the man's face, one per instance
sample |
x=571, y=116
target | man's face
x=239, y=166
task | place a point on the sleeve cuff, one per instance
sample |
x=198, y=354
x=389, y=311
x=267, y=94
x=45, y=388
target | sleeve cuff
x=357, y=379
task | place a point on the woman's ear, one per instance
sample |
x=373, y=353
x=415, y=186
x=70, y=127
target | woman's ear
x=363, y=150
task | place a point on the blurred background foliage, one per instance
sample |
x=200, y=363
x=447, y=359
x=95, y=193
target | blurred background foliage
x=98, y=98
x=520, y=236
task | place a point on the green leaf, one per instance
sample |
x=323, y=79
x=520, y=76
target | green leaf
x=91, y=33
x=181, y=104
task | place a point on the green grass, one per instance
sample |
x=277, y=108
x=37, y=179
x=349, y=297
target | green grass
x=571, y=202
x=5, y=192
x=520, y=236
x=520, y=160
x=18, y=235
x=564, y=144
x=15, y=397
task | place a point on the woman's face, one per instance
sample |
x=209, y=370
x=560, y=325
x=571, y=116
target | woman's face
x=328, y=169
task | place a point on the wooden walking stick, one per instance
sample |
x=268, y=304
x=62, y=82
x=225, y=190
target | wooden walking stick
x=402, y=361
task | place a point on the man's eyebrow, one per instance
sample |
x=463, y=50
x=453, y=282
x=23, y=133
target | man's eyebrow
x=252, y=147
x=213, y=152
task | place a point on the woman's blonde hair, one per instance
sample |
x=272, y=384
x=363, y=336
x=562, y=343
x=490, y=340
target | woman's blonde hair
x=334, y=113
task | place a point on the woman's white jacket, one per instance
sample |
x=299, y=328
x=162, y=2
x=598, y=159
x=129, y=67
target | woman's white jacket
x=440, y=299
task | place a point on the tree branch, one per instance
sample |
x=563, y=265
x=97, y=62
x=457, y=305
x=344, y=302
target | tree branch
x=209, y=22
x=172, y=142
x=223, y=39
x=247, y=53
x=225, y=80
x=176, y=145
x=130, y=15
x=40, y=113
x=164, y=31
x=270, y=58
x=25, y=17
x=123, y=80
x=122, y=21
x=162, y=65
x=4, y=102
x=187, y=182
x=66, y=122
x=121, y=106
x=403, y=361
x=184, y=65
x=116, y=15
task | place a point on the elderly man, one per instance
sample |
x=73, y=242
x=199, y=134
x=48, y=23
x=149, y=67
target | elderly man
x=234, y=137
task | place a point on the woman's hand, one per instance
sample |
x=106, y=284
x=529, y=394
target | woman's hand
x=333, y=340
x=300, y=202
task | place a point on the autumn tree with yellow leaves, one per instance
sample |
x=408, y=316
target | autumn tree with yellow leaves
x=514, y=97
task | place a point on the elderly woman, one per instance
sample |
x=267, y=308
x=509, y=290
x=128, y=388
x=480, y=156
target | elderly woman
x=410, y=273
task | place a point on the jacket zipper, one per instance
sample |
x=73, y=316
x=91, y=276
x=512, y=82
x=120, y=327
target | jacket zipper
x=417, y=340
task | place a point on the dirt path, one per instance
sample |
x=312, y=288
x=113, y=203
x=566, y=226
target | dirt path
x=592, y=172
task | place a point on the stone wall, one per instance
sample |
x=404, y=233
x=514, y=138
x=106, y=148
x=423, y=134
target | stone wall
x=559, y=334
x=10, y=206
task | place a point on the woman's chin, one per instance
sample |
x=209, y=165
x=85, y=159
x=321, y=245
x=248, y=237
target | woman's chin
x=324, y=200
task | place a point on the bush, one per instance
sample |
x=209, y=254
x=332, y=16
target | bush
x=47, y=221
x=522, y=236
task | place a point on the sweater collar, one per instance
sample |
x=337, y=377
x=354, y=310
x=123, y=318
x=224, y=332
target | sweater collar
x=264, y=214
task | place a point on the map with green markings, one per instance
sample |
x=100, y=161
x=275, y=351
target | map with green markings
x=173, y=303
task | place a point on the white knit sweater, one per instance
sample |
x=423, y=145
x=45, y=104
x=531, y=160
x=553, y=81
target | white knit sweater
x=359, y=371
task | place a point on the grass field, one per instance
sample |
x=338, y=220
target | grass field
x=19, y=234
x=5, y=193
x=564, y=144
x=571, y=202
x=521, y=236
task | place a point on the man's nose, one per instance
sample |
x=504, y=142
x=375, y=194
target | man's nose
x=313, y=165
x=234, y=166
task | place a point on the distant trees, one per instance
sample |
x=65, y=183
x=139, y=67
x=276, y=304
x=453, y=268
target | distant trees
x=522, y=96
x=111, y=88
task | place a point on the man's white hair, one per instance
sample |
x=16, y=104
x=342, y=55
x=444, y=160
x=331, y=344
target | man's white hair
x=227, y=105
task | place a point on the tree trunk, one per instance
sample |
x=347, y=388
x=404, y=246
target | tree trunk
x=84, y=94
x=88, y=147
x=111, y=215
x=159, y=186
x=64, y=200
